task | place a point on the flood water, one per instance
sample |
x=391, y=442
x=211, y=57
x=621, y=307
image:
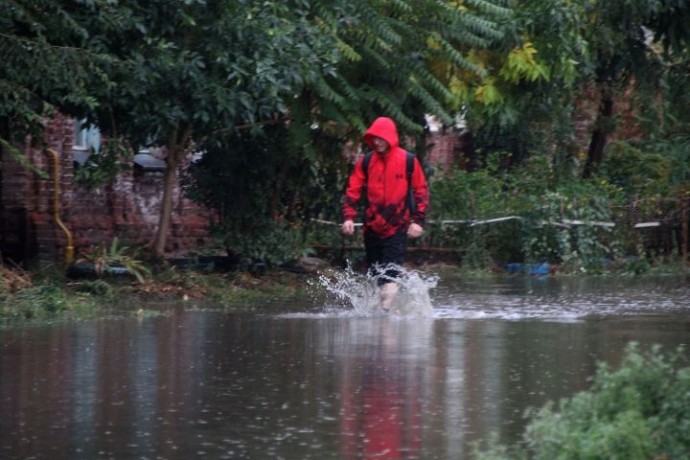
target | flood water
x=317, y=380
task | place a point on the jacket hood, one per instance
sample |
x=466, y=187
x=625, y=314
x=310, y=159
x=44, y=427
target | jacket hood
x=384, y=128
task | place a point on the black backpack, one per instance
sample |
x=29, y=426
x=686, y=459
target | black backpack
x=410, y=167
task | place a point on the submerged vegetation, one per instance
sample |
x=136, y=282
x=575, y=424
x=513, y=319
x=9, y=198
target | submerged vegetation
x=26, y=297
x=56, y=294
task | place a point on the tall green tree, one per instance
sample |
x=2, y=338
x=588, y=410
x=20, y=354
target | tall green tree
x=556, y=53
x=524, y=102
x=199, y=68
x=619, y=44
x=623, y=37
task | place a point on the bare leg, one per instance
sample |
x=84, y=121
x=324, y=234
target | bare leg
x=388, y=293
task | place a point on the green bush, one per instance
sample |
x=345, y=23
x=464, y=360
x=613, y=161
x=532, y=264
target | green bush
x=543, y=207
x=460, y=195
x=638, y=171
x=569, y=226
x=639, y=411
x=270, y=243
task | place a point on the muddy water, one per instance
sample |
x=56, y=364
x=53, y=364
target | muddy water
x=318, y=380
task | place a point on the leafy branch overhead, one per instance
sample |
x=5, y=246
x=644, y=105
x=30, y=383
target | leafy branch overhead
x=45, y=65
x=387, y=52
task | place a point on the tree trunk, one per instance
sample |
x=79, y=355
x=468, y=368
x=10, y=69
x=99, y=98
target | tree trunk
x=595, y=155
x=166, y=206
x=176, y=153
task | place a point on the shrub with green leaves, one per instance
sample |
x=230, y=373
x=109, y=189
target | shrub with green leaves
x=461, y=195
x=105, y=257
x=571, y=226
x=638, y=170
x=271, y=243
x=638, y=411
x=546, y=221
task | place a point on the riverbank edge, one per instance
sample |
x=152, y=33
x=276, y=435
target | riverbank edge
x=42, y=297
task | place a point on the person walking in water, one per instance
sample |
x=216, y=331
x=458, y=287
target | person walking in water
x=397, y=199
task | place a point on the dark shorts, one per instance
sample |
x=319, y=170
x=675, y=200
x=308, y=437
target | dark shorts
x=382, y=252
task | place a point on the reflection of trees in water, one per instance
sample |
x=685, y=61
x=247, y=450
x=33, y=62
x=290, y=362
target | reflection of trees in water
x=100, y=386
x=319, y=385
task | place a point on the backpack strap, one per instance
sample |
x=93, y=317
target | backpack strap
x=410, y=193
x=365, y=165
x=410, y=166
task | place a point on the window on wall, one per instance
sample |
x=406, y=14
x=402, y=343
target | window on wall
x=86, y=137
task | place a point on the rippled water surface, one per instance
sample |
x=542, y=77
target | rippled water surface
x=319, y=379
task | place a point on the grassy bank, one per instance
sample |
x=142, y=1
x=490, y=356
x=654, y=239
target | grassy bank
x=49, y=295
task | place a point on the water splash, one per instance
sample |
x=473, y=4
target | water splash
x=360, y=294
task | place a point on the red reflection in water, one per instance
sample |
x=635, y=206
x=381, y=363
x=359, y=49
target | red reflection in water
x=380, y=413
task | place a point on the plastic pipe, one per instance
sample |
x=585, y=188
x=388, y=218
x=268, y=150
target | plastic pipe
x=69, y=250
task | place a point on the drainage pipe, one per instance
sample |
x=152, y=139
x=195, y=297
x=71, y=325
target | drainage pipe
x=69, y=250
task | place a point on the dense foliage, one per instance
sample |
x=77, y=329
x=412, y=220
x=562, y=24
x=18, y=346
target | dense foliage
x=580, y=226
x=272, y=92
x=638, y=411
x=268, y=185
x=263, y=198
x=44, y=67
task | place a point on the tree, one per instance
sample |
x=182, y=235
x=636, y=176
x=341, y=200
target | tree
x=200, y=68
x=555, y=54
x=391, y=55
x=523, y=103
x=620, y=51
x=174, y=75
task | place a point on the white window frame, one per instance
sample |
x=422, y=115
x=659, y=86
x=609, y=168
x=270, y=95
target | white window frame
x=86, y=137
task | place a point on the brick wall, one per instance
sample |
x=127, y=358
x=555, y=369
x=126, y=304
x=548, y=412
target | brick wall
x=445, y=150
x=127, y=209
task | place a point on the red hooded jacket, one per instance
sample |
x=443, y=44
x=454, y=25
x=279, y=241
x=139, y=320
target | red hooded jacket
x=387, y=210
